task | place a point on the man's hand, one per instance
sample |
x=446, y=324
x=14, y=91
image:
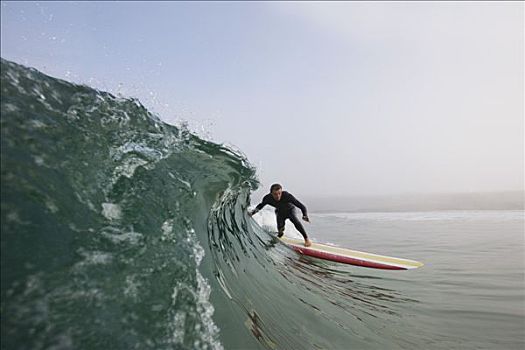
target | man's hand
x=306, y=218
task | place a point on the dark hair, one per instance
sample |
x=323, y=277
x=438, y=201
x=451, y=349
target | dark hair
x=275, y=187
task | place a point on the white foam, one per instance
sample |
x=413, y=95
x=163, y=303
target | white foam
x=37, y=124
x=51, y=206
x=94, y=258
x=179, y=326
x=132, y=287
x=14, y=217
x=210, y=333
x=206, y=309
x=111, y=211
x=10, y=107
x=128, y=167
x=39, y=160
x=130, y=237
x=167, y=231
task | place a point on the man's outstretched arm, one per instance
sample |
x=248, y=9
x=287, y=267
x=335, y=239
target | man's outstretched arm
x=258, y=207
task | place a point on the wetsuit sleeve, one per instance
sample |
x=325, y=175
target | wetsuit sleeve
x=261, y=205
x=299, y=205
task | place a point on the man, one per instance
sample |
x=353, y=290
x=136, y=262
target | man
x=284, y=204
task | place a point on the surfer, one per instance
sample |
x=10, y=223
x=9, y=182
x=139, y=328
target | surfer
x=284, y=204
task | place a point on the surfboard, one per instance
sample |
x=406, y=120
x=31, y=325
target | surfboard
x=351, y=257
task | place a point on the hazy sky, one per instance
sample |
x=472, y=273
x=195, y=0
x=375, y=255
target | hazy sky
x=348, y=98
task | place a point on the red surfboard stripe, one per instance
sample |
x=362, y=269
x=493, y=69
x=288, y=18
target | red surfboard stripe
x=343, y=259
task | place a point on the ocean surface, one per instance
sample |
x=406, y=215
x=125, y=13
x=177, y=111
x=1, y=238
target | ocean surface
x=119, y=231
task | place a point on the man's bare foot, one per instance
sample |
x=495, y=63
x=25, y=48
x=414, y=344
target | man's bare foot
x=307, y=243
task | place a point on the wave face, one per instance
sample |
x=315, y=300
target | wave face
x=104, y=211
x=120, y=231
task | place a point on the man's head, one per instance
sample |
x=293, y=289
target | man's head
x=276, y=190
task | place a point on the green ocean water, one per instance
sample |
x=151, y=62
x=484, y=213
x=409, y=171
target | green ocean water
x=120, y=231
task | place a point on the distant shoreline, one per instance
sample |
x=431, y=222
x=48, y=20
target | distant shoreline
x=379, y=211
x=417, y=203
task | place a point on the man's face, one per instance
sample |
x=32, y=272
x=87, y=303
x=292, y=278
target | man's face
x=276, y=194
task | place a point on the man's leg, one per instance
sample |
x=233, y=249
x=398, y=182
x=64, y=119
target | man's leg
x=298, y=226
x=280, y=224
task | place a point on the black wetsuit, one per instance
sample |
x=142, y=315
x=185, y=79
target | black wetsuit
x=284, y=209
